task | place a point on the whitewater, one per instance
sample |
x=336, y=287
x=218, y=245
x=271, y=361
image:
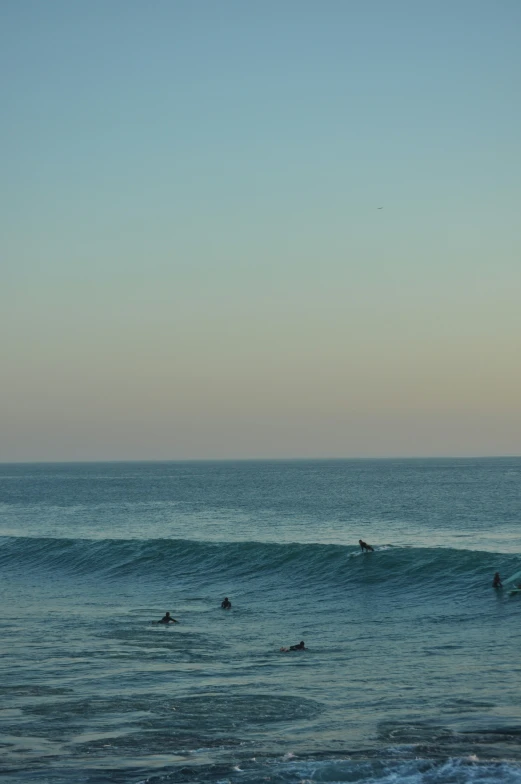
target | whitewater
x=411, y=672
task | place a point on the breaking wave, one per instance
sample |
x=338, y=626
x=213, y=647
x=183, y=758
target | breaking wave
x=440, y=569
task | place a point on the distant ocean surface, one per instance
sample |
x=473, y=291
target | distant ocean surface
x=413, y=667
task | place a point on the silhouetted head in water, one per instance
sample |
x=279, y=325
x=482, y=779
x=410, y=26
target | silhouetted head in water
x=167, y=618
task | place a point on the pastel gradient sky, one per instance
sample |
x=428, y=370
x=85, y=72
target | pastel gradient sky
x=194, y=262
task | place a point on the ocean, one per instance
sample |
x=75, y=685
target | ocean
x=412, y=671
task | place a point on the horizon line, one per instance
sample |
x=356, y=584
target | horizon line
x=259, y=459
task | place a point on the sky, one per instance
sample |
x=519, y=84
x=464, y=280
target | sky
x=264, y=229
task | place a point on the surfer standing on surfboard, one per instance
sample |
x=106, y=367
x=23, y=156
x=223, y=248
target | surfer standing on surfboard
x=497, y=581
x=365, y=546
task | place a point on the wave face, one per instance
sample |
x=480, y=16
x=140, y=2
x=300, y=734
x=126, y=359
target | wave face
x=316, y=566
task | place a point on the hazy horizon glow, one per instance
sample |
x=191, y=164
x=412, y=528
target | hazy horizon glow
x=194, y=262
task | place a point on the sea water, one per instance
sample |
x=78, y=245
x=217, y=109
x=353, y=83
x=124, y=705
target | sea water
x=412, y=671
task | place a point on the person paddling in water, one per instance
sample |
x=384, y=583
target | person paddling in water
x=497, y=581
x=167, y=618
x=299, y=647
x=365, y=547
x=226, y=604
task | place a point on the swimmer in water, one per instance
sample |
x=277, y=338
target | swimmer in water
x=299, y=647
x=167, y=618
x=226, y=604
